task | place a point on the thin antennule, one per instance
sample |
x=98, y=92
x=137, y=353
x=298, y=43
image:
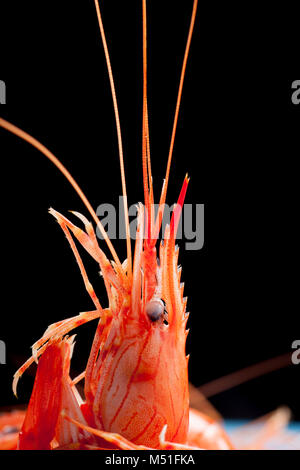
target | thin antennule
x=35, y=143
x=166, y=181
x=116, y=111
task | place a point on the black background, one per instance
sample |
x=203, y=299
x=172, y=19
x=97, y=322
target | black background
x=238, y=138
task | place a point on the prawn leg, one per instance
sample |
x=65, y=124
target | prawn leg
x=56, y=330
x=105, y=440
x=109, y=440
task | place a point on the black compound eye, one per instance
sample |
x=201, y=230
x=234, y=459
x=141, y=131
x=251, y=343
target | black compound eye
x=155, y=310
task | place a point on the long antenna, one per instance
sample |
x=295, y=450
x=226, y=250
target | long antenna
x=116, y=110
x=35, y=143
x=166, y=181
x=244, y=375
x=147, y=174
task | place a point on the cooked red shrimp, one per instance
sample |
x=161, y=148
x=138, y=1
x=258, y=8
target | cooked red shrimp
x=136, y=393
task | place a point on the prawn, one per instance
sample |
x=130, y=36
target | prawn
x=136, y=393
